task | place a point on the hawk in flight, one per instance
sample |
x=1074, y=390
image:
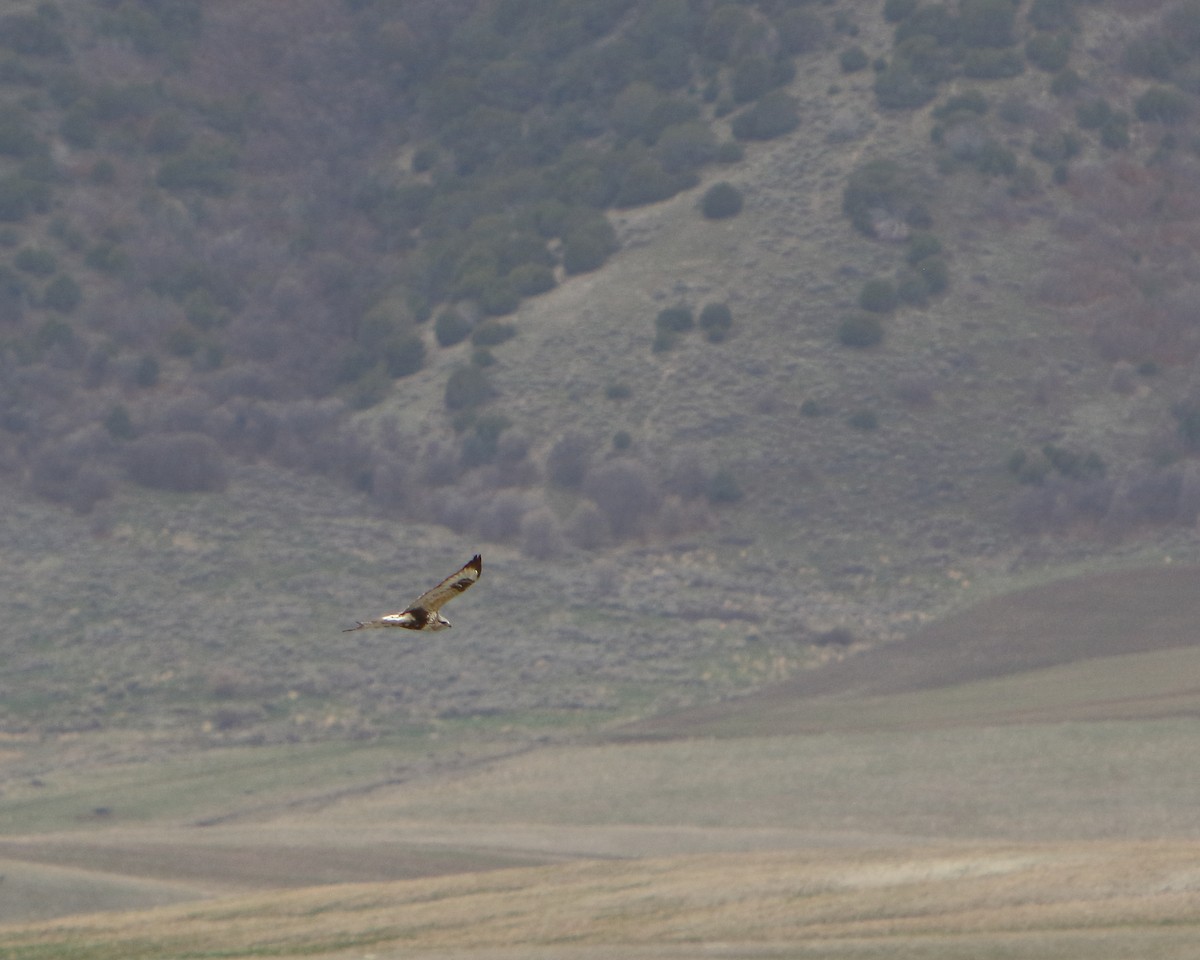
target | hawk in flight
x=422, y=613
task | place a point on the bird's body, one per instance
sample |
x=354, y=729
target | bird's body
x=423, y=613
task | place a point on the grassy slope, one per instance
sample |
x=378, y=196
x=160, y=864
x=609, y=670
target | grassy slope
x=865, y=787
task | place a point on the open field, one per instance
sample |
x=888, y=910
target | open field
x=1003, y=901
x=1021, y=809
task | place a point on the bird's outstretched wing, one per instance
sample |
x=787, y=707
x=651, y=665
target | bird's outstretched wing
x=432, y=600
x=422, y=613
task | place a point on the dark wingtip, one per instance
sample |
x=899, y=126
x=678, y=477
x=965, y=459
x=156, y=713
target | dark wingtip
x=476, y=563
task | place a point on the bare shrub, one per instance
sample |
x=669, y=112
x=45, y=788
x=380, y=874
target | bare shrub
x=184, y=462
x=500, y=518
x=567, y=461
x=389, y=483
x=587, y=528
x=686, y=475
x=541, y=537
x=625, y=492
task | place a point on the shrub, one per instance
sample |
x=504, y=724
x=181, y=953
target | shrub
x=860, y=330
x=541, y=537
x=716, y=320
x=853, y=59
x=878, y=296
x=492, y=333
x=992, y=64
x=567, y=460
x=723, y=487
x=62, y=294
x=1161, y=104
x=899, y=88
x=1052, y=14
x=1093, y=114
x=587, y=244
x=896, y=10
x=35, y=34
x=1048, y=51
x=35, y=260
x=752, y=77
x=145, y=373
x=935, y=272
x=875, y=184
x=863, y=420
x=118, y=423
x=922, y=244
x=404, y=354
x=17, y=135
x=625, y=493
x=1153, y=57
x=183, y=462
x=207, y=168
x=1115, y=132
x=995, y=159
x=674, y=320
x=468, y=387
x=773, y=116
x=20, y=196
x=646, y=182
x=987, y=23
x=530, y=279
x=451, y=327
x=721, y=200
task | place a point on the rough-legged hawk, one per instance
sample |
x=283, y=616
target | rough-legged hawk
x=423, y=614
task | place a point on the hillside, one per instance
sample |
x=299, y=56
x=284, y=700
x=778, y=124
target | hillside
x=297, y=266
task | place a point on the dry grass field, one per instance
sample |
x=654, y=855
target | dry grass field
x=1040, y=813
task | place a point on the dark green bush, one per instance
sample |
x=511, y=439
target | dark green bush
x=451, y=327
x=1048, y=51
x=207, y=168
x=1066, y=83
x=1154, y=56
x=62, y=294
x=646, y=182
x=587, y=244
x=1093, y=114
x=970, y=102
x=752, y=77
x=716, y=320
x=992, y=64
x=35, y=34
x=1052, y=14
x=723, y=487
x=1162, y=104
x=935, y=272
x=922, y=244
x=853, y=59
x=530, y=279
x=404, y=354
x=995, y=159
x=987, y=23
x=896, y=10
x=183, y=462
x=721, y=200
x=900, y=88
x=20, y=196
x=18, y=138
x=773, y=116
x=860, y=330
x=119, y=424
x=674, y=320
x=145, y=374
x=492, y=333
x=874, y=184
x=35, y=260
x=863, y=420
x=1114, y=134
x=878, y=296
x=468, y=387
